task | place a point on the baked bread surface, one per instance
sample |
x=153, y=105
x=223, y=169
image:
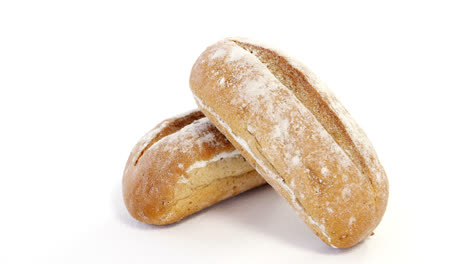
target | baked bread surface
x=180, y=167
x=297, y=135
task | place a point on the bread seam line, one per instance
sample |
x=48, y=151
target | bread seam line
x=153, y=133
x=195, y=164
x=204, y=163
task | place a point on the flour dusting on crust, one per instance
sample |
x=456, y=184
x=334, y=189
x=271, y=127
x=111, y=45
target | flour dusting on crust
x=147, y=138
x=195, y=131
x=222, y=155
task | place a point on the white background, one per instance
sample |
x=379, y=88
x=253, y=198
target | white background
x=82, y=81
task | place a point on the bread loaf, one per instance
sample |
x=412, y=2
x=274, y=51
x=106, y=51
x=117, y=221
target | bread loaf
x=180, y=167
x=296, y=134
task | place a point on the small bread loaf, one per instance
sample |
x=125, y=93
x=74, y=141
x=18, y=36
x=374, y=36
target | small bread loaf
x=180, y=167
x=296, y=134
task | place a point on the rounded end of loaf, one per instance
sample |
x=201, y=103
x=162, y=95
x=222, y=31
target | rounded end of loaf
x=367, y=210
x=144, y=198
x=141, y=199
x=147, y=178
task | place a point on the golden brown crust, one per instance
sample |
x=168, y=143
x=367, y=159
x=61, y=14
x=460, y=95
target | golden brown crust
x=296, y=134
x=181, y=166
